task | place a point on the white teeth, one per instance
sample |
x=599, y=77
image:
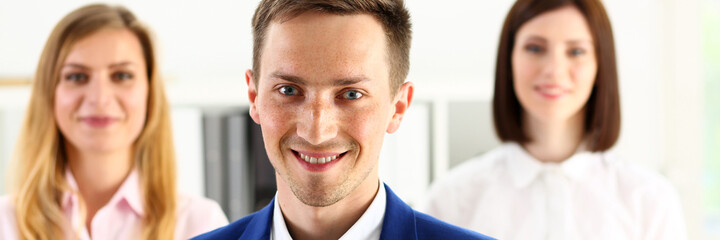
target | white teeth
x=314, y=160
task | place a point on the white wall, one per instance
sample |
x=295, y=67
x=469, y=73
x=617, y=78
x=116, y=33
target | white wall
x=205, y=46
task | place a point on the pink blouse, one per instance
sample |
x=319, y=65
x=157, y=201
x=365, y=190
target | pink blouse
x=121, y=217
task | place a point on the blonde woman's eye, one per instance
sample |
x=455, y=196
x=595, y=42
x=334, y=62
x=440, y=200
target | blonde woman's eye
x=352, y=95
x=121, y=76
x=76, y=77
x=288, y=90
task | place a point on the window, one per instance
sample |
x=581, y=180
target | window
x=711, y=52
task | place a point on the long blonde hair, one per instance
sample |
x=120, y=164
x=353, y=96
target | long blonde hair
x=40, y=161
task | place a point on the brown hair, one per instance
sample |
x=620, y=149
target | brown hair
x=392, y=14
x=602, y=117
x=39, y=160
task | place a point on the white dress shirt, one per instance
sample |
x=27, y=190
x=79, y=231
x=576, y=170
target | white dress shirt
x=508, y=194
x=368, y=227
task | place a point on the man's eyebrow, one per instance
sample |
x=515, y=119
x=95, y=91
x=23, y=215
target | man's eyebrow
x=288, y=77
x=350, y=81
x=301, y=81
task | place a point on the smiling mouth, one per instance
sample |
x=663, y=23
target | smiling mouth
x=551, y=92
x=317, y=160
x=98, y=121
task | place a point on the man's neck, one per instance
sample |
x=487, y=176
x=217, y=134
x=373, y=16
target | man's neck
x=330, y=222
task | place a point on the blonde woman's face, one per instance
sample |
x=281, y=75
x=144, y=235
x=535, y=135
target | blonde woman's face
x=554, y=64
x=101, y=98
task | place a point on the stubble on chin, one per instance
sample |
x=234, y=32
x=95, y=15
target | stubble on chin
x=318, y=192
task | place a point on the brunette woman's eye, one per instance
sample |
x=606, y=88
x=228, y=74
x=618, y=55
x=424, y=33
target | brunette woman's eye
x=577, y=52
x=533, y=48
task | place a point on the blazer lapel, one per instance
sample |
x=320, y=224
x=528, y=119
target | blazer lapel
x=259, y=227
x=399, y=221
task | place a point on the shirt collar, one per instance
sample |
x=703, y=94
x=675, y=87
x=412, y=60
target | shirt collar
x=279, y=229
x=129, y=192
x=524, y=168
x=372, y=220
x=369, y=222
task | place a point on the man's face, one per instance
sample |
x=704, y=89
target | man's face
x=324, y=103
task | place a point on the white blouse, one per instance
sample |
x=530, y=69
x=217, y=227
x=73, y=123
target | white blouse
x=507, y=194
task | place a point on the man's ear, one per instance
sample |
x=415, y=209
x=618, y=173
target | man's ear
x=252, y=95
x=402, y=101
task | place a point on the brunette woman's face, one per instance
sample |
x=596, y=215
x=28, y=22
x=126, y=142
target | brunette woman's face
x=101, y=98
x=554, y=65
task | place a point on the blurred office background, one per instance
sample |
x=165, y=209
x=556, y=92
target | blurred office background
x=669, y=64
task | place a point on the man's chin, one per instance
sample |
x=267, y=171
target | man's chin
x=318, y=195
x=319, y=201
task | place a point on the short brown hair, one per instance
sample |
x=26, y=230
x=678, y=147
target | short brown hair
x=602, y=116
x=392, y=14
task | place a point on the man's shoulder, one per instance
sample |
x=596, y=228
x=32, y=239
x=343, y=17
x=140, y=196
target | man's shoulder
x=429, y=227
x=401, y=222
x=253, y=226
x=231, y=231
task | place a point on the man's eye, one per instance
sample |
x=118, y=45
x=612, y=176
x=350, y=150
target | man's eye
x=122, y=76
x=76, y=77
x=288, y=90
x=352, y=95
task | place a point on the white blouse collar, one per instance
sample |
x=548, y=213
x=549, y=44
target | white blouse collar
x=524, y=168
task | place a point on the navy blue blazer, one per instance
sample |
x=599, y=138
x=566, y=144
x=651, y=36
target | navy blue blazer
x=400, y=222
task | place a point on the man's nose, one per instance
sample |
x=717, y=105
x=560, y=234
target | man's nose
x=317, y=122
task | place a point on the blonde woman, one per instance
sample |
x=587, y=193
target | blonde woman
x=95, y=157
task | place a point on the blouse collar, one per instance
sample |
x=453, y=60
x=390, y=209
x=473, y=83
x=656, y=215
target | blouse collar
x=128, y=193
x=524, y=168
